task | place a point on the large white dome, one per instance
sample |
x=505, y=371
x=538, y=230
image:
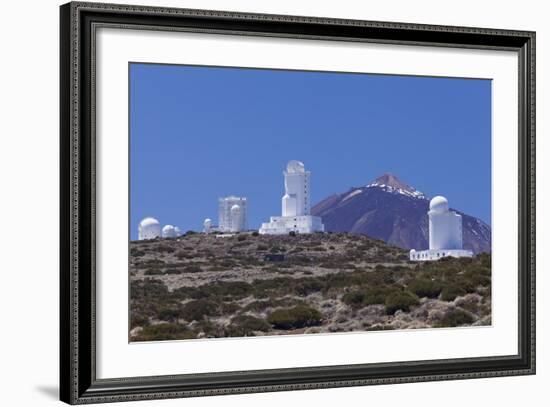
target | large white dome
x=295, y=166
x=148, y=228
x=439, y=204
x=169, y=231
x=146, y=222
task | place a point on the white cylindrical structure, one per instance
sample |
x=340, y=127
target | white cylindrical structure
x=235, y=222
x=207, y=225
x=148, y=228
x=445, y=226
x=296, y=201
x=169, y=231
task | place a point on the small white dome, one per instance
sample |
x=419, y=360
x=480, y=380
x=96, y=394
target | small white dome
x=148, y=228
x=235, y=208
x=178, y=231
x=207, y=222
x=295, y=166
x=169, y=231
x=439, y=204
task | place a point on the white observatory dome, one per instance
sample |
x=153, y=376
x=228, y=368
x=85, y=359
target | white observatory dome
x=207, y=225
x=169, y=231
x=148, y=228
x=295, y=166
x=178, y=231
x=235, y=208
x=439, y=204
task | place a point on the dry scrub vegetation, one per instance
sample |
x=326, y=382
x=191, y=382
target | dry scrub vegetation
x=203, y=286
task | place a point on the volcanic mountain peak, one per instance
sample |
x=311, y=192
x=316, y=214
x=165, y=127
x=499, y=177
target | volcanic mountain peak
x=390, y=183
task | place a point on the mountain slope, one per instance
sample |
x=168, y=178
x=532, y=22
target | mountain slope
x=392, y=211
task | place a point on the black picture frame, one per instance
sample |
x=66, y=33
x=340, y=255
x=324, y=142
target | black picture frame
x=78, y=382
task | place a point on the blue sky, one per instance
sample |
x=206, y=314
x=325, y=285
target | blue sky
x=198, y=133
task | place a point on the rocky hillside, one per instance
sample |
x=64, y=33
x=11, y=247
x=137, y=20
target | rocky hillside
x=394, y=212
x=201, y=286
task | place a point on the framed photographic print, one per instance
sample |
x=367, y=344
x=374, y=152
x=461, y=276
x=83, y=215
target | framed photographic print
x=256, y=203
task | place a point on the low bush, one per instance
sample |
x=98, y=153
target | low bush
x=192, y=268
x=424, y=287
x=162, y=332
x=169, y=314
x=183, y=254
x=138, y=320
x=400, y=300
x=455, y=317
x=299, y=316
x=229, y=308
x=164, y=248
x=135, y=252
x=153, y=272
x=246, y=325
x=370, y=296
x=450, y=292
x=198, y=309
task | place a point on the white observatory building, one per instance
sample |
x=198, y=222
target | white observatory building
x=296, y=205
x=445, y=233
x=207, y=225
x=149, y=228
x=169, y=231
x=232, y=214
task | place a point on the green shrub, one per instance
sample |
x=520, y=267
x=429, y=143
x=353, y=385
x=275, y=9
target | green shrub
x=138, y=320
x=164, y=248
x=192, y=268
x=183, y=254
x=400, y=300
x=299, y=316
x=229, y=308
x=153, y=272
x=241, y=238
x=255, y=233
x=450, y=292
x=246, y=325
x=198, y=309
x=307, y=286
x=262, y=247
x=455, y=317
x=135, y=252
x=219, y=291
x=354, y=299
x=370, y=296
x=169, y=314
x=162, y=332
x=424, y=287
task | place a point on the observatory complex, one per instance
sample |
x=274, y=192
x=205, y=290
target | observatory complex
x=149, y=228
x=296, y=205
x=445, y=233
x=232, y=214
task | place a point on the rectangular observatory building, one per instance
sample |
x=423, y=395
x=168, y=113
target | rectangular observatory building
x=232, y=214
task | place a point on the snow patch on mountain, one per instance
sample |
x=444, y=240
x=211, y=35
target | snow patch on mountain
x=396, y=190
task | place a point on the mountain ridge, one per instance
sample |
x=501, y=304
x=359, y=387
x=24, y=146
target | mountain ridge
x=395, y=212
